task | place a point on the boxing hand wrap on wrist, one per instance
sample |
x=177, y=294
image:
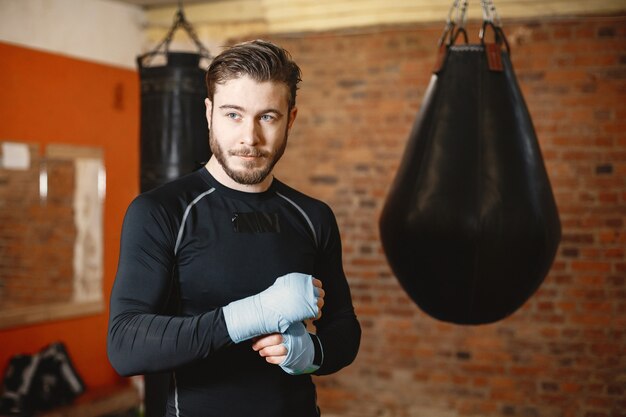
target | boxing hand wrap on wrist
x=300, y=351
x=292, y=298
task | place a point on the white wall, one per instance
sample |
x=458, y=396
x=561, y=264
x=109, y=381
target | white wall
x=96, y=30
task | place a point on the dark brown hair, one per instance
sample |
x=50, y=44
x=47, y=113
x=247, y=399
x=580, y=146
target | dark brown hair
x=260, y=60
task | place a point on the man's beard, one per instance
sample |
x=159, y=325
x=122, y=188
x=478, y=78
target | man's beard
x=250, y=175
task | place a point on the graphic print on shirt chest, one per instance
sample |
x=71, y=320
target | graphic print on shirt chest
x=255, y=222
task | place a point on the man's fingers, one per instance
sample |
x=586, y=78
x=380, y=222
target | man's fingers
x=320, y=296
x=275, y=360
x=318, y=286
x=271, y=348
x=273, y=351
x=265, y=341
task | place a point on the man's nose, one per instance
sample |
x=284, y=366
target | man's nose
x=251, y=134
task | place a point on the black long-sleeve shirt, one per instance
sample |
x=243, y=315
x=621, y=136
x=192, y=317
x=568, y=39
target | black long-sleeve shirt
x=191, y=247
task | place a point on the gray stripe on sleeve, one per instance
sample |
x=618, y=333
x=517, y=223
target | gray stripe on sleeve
x=185, y=215
x=306, y=217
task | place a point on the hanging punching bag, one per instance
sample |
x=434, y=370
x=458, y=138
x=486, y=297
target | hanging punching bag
x=174, y=130
x=470, y=226
x=174, y=142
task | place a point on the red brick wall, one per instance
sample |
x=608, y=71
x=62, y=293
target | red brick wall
x=563, y=353
x=36, y=238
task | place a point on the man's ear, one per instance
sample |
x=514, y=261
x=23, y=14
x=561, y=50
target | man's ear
x=292, y=117
x=209, y=109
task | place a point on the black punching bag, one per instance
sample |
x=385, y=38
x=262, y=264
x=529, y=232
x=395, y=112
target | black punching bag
x=470, y=226
x=174, y=132
x=174, y=142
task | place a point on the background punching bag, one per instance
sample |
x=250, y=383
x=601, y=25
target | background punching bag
x=174, y=142
x=174, y=131
x=470, y=226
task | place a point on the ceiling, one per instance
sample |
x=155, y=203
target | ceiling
x=161, y=3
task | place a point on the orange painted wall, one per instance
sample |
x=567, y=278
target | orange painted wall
x=47, y=98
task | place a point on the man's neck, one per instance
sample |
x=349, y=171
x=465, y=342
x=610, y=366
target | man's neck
x=216, y=170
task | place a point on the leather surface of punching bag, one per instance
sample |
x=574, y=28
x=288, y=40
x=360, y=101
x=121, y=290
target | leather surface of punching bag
x=174, y=132
x=470, y=226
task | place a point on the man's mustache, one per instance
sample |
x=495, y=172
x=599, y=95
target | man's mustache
x=249, y=152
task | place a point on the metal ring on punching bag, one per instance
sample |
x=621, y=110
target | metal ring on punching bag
x=470, y=226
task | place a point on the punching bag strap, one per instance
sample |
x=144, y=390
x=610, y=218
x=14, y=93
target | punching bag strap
x=493, y=50
x=179, y=21
x=456, y=26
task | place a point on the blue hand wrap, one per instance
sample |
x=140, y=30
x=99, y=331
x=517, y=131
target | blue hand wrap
x=292, y=298
x=300, y=351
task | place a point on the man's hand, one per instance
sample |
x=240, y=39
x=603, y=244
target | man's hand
x=293, y=351
x=292, y=298
x=320, y=297
x=271, y=348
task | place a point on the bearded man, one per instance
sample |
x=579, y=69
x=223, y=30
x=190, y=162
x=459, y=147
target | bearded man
x=219, y=270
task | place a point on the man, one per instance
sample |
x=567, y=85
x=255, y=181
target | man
x=219, y=269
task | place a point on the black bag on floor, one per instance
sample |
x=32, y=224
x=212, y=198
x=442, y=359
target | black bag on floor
x=470, y=226
x=41, y=381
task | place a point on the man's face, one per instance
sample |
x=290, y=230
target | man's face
x=249, y=122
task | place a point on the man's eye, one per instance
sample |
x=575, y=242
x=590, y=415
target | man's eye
x=232, y=115
x=267, y=117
